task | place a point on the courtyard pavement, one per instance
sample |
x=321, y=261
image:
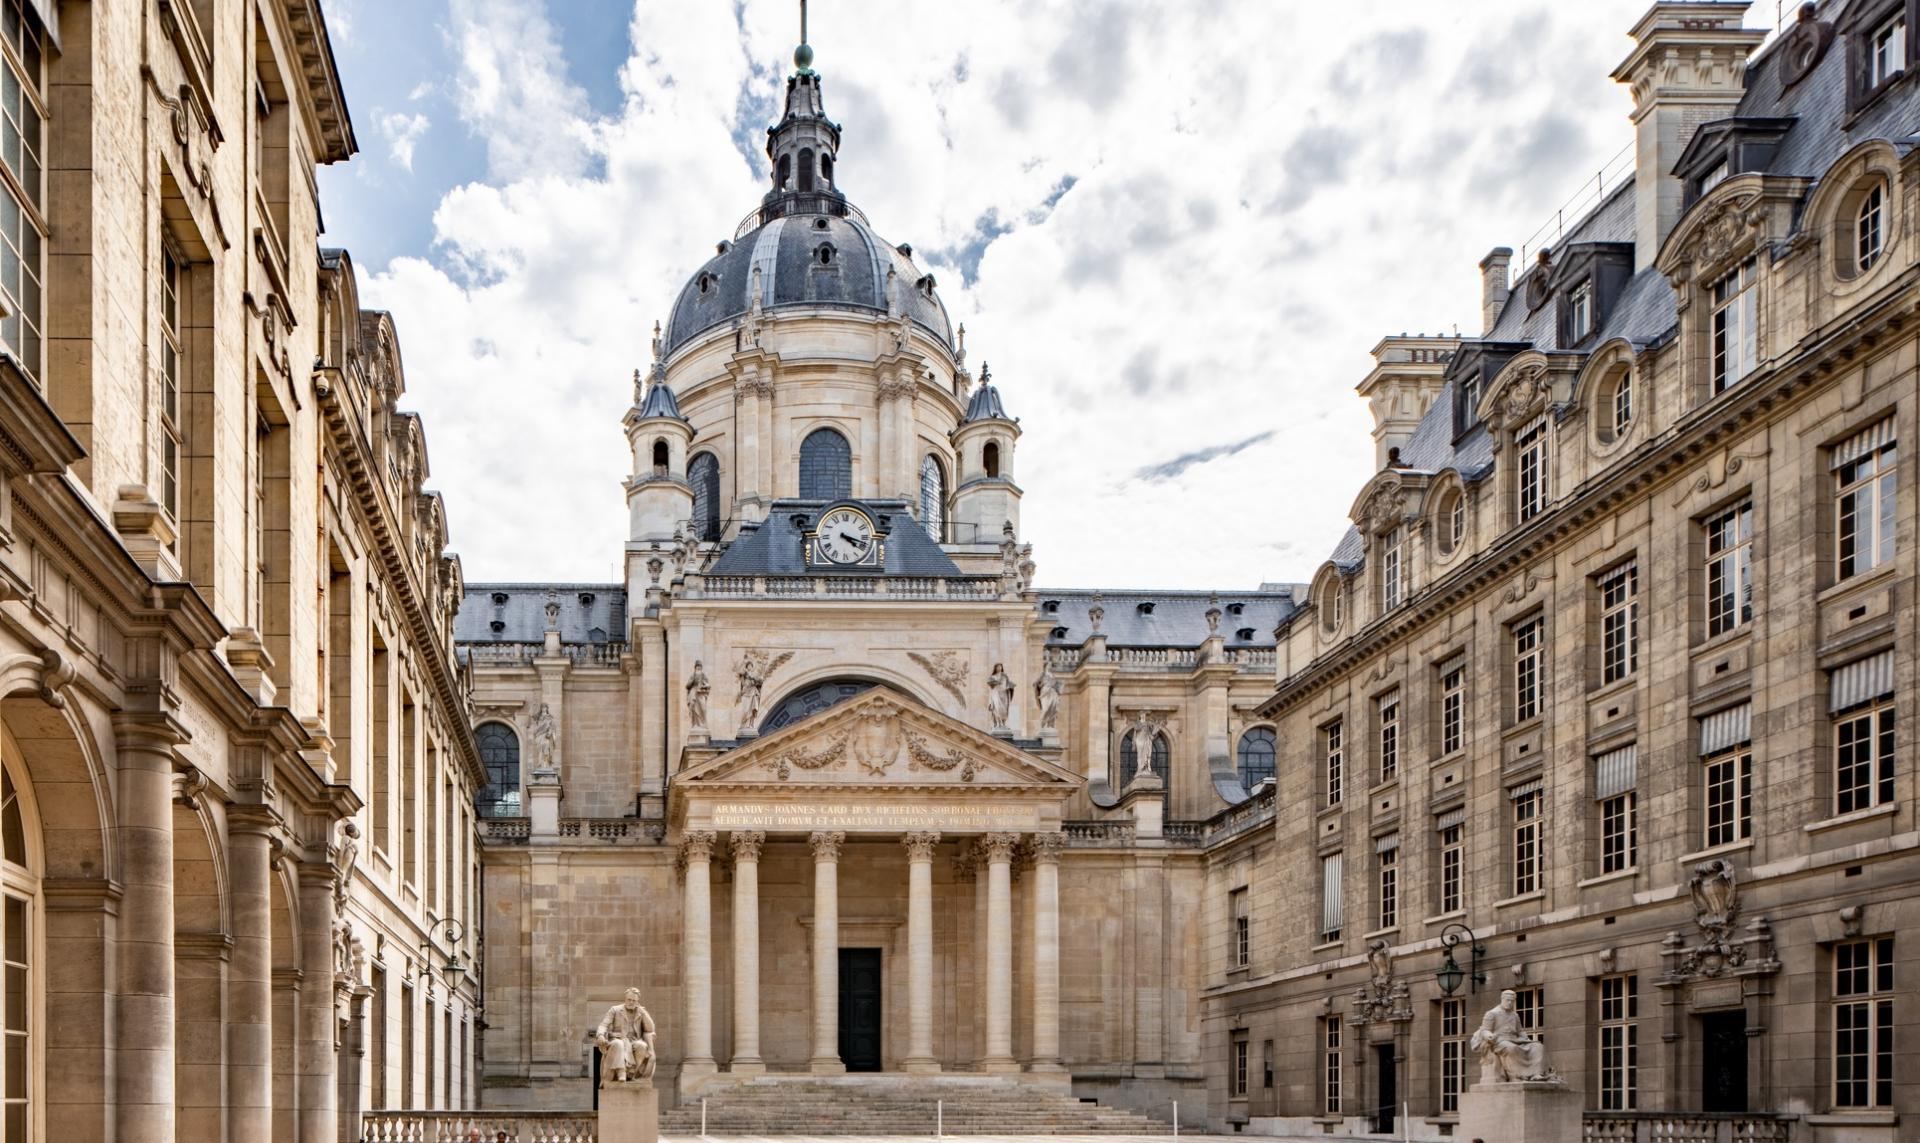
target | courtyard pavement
x=1162, y=1138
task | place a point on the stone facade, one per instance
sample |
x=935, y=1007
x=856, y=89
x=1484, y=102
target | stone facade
x=238, y=763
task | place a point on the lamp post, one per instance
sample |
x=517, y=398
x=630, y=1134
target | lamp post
x=452, y=932
x=1449, y=974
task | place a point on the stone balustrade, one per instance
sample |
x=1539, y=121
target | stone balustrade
x=971, y=588
x=509, y=654
x=479, y=1127
x=1684, y=1127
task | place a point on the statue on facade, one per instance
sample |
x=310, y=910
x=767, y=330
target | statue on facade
x=625, y=1039
x=752, y=672
x=999, y=696
x=1506, y=1054
x=349, y=857
x=1046, y=692
x=545, y=736
x=697, y=691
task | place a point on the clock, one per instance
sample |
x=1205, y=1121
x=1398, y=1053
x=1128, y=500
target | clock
x=845, y=536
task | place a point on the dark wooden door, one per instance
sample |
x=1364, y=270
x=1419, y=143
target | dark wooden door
x=1389, y=1088
x=860, y=1009
x=1723, y=1061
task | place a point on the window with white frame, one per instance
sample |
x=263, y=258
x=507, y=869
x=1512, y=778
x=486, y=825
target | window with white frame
x=1736, y=331
x=1528, y=658
x=1615, y=777
x=1240, y=1064
x=1242, y=932
x=1864, y=468
x=1580, y=312
x=1330, y=1065
x=1388, y=714
x=1335, y=761
x=1869, y=228
x=1619, y=622
x=1392, y=568
x=1622, y=403
x=1525, y=809
x=1453, y=1054
x=1729, y=538
x=1530, y=1005
x=1726, y=764
x=172, y=438
x=1450, y=838
x=1453, y=704
x=1863, y=1023
x=1860, y=702
x=19, y=886
x=1530, y=452
x=23, y=206
x=1332, y=909
x=1886, y=51
x=1386, y=899
x=1619, y=1042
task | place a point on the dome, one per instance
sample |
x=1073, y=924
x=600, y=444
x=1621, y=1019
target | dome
x=832, y=260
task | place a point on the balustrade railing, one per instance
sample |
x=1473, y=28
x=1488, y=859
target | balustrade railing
x=842, y=586
x=1685, y=1127
x=1116, y=832
x=520, y=652
x=479, y=1127
x=1250, y=814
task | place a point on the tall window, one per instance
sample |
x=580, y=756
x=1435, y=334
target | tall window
x=703, y=473
x=1529, y=1004
x=1527, y=661
x=1530, y=447
x=1730, y=569
x=172, y=439
x=1622, y=403
x=1886, y=51
x=1330, y=1064
x=1868, y=229
x=17, y=943
x=1726, y=757
x=1392, y=570
x=1863, y=1023
x=1450, y=838
x=1335, y=756
x=1332, y=908
x=1388, y=715
x=1241, y=934
x=933, y=498
x=1619, y=622
x=826, y=466
x=1526, y=837
x=1240, y=1064
x=1863, y=479
x=1453, y=1054
x=1580, y=313
x=1387, y=887
x=1860, y=702
x=1619, y=1042
x=1256, y=757
x=1453, y=704
x=500, y=753
x=1736, y=326
x=1615, y=776
x=23, y=123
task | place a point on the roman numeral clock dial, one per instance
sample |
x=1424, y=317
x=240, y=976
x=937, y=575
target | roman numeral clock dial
x=845, y=536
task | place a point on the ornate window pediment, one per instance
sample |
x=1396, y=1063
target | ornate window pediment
x=1731, y=223
x=1387, y=501
x=1529, y=385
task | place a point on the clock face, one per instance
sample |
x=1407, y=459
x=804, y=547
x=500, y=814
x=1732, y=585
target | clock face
x=845, y=536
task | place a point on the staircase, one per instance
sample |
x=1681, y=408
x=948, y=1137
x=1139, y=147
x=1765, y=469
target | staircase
x=896, y=1105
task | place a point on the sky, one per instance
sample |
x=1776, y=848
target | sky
x=1174, y=229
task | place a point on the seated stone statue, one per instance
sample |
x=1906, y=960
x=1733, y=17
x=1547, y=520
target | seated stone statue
x=625, y=1038
x=1506, y=1054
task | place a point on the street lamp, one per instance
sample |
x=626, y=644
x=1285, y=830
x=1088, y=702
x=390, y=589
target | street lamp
x=452, y=932
x=1449, y=974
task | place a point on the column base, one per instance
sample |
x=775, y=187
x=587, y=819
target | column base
x=924, y=1066
x=1047, y=1067
x=1003, y=1065
x=827, y=1066
x=698, y=1068
x=747, y=1066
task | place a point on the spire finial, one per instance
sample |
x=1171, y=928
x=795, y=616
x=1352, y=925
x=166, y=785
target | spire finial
x=656, y=340
x=986, y=374
x=803, y=55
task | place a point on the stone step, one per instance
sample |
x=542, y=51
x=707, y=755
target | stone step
x=897, y=1105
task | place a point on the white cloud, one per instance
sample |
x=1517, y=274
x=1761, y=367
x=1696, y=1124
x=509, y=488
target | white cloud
x=402, y=132
x=1255, y=193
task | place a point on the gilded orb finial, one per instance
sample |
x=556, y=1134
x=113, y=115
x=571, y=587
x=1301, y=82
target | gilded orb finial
x=803, y=55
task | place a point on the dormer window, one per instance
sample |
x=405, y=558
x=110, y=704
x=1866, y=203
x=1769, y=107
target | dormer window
x=1580, y=313
x=1235, y=608
x=1392, y=570
x=1530, y=449
x=824, y=255
x=1714, y=177
x=1245, y=634
x=1057, y=633
x=1886, y=51
x=1736, y=330
x=499, y=599
x=704, y=283
x=1145, y=609
x=1051, y=607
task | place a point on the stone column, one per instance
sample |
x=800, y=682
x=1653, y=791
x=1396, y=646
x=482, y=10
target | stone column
x=696, y=850
x=1046, y=952
x=250, y=975
x=999, y=850
x=746, y=953
x=316, y=1083
x=143, y=1090
x=920, y=847
x=826, y=952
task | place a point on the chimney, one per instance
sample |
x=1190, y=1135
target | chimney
x=1688, y=66
x=1495, y=285
x=1409, y=371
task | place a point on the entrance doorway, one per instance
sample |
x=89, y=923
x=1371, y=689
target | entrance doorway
x=1723, y=1061
x=1389, y=1088
x=860, y=1009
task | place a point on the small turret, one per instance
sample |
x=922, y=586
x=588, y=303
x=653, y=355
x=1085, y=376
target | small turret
x=804, y=145
x=986, y=499
x=659, y=497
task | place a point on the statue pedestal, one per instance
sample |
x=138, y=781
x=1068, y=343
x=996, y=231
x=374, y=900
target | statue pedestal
x=1537, y=1111
x=630, y=1113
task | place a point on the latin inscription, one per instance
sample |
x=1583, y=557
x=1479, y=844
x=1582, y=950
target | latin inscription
x=857, y=818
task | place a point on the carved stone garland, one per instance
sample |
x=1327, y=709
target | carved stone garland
x=922, y=757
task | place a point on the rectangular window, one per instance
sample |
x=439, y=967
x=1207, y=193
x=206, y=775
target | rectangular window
x=1453, y=705
x=1530, y=1005
x=1530, y=447
x=1332, y=910
x=1527, y=661
x=1392, y=568
x=1619, y=622
x=1736, y=327
x=1266, y=1064
x=1580, y=313
x=1389, y=716
x=1241, y=933
x=1335, y=755
x=172, y=439
x=1451, y=837
x=17, y=1048
x=1863, y=479
x=1729, y=779
x=1240, y=1064
x=1619, y=1042
x=1453, y=1054
x=1387, y=897
x=1729, y=538
x=1863, y=1023
x=1619, y=836
x=23, y=130
x=1526, y=837
x=1860, y=703
x=1886, y=51
x=1330, y=1064
x=406, y=1046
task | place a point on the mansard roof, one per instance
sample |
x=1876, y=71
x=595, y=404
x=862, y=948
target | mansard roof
x=1172, y=618
x=589, y=612
x=774, y=545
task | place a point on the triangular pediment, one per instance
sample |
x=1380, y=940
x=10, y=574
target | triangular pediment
x=880, y=739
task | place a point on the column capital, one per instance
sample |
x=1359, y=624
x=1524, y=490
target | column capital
x=697, y=845
x=920, y=845
x=826, y=844
x=999, y=847
x=1046, y=848
x=746, y=844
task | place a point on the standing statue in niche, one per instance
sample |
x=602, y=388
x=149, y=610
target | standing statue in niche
x=545, y=736
x=753, y=671
x=999, y=696
x=625, y=1039
x=1046, y=692
x=1506, y=1054
x=697, y=691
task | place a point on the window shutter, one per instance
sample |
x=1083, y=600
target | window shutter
x=1726, y=729
x=1525, y=788
x=1451, y=664
x=1386, y=842
x=1453, y=817
x=1861, y=681
x=1866, y=441
x=1615, y=772
x=1331, y=912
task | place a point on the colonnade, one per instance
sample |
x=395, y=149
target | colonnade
x=995, y=850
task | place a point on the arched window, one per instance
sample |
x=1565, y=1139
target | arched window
x=1256, y=757
x=1450, y=521
x=783, y=172
x=500, y=753
x=811, y=701
x=660, y=454
x=826, y=466
x=826, y=169
x=806, y=170
x=704, y=474
x=990, y=459
x=933, y=498
x=1158, y=758
x=19, y=885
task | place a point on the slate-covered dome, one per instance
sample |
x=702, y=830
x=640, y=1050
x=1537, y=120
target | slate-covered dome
x=806, y=259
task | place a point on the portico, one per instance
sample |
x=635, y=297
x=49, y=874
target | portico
x=867, y=796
